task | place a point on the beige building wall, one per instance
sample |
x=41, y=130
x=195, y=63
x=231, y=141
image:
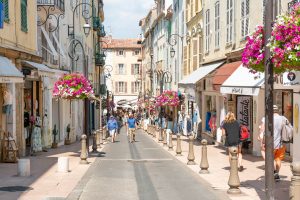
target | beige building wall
x=128, y=77
x=255, y=16
x=11, y=36
x=193, y=49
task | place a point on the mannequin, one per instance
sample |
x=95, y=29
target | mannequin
x=196, y=120
x=7, y=101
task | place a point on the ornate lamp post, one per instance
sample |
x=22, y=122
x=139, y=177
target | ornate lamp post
x=74, y=43
x=173, y=42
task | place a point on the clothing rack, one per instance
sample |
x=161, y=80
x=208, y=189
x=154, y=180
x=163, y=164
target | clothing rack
x=10, y=150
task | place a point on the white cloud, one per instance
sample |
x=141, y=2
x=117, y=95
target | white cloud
x=122, y=16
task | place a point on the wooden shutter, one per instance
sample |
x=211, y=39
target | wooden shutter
x=132, y=87
x=132, y=69
x=125, y=87
x=116, y=89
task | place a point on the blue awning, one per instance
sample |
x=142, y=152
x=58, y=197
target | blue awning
x=8, y=72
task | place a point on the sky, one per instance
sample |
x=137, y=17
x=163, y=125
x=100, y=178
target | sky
x=122, y=16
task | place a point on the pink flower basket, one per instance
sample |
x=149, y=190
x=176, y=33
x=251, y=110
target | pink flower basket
x=73, y=86
x=168, y=98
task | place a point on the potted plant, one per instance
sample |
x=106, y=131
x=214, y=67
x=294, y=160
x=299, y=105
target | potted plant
x=54, y=132
x=67, y=139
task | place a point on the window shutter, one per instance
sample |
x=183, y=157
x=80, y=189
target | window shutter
x=24, y=15
x=5, y=9
x=132, y=69
x=125, y=87
x=132, y=87
x=117, y=52
x=116, y=89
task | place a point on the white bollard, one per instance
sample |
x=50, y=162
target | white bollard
x=63, y=164
x=23, y=167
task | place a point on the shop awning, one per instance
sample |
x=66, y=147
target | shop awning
x=197, y=75
x=243, y=82
x=224, y=73
x=38, y=66
x=8, y=72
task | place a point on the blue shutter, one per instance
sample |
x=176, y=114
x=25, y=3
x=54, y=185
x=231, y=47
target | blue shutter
x=1, y=15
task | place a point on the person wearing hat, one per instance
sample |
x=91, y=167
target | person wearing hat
x=112, y=127
x=131, y=126
x=279, y=148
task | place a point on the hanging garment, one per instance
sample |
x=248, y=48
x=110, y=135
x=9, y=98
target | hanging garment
x=36, y=139
x=208, y=116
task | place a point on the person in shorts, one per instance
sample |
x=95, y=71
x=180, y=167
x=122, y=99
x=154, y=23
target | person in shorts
x=112, y=127
x=131, y=126
x=279, y=148
x=232, y=131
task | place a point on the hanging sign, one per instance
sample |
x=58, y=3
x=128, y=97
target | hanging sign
x=291, y=78
x=244, y=109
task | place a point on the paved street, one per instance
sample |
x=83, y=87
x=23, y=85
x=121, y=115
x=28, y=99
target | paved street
x=142, y=170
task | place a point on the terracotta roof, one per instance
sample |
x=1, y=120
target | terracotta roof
x=223, y=73
x=124, y=43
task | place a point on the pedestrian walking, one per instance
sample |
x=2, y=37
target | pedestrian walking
x=112, y=127
x=232, y=132
x=279, y=148
x=261, y=138
x=131, y=127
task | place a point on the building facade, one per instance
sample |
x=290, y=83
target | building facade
x=123, y=55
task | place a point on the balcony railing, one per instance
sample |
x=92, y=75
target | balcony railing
x=100, y=59
x=59, y=4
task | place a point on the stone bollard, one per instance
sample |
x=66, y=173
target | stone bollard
x=63, y=164
x=100, y=136
x=165, y=138
x=94, y=147
x=170, y=141
x=104, y=135
x=234, y=180
x=83, y=155
x=23, y=167
x=97, y=138
x=160, y=137
x=295, y=183
x=191, y=156
x=178, y=147
x=204, y=162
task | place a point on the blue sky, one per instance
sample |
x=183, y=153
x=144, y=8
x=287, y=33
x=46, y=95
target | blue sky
x=122, y=16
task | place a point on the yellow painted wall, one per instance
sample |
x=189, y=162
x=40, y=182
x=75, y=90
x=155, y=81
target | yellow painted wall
x=11, y=36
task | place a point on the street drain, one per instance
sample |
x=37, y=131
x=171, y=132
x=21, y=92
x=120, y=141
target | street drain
x=15, y=188
x=137, y=161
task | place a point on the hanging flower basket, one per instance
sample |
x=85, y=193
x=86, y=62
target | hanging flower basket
x=253, y=54
x=284, y=44
x=73, y=86
x=285, y=41
x=168, y=98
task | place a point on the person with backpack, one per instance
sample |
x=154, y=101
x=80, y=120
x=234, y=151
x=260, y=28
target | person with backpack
x=282, y=133
x=231, y=129
x=112, y=127
x=131, y=126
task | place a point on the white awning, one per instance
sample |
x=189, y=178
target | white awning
x=54, y=52
x=39, y=67
x=243, y=82
x=197, y=75
x=8, y=72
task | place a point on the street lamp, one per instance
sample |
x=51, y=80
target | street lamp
x=86, y=29
x=173, y=41
x=172, y=52
x=74, y=43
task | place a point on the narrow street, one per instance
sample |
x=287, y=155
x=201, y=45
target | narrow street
x=142, y=170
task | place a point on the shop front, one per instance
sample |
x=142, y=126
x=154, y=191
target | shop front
x=9, y=77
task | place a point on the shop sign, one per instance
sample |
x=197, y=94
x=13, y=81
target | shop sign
x=244, y=109
x=291, y=78
x=11, y=80
x=240, y=90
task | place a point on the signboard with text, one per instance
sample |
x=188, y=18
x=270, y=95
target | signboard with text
x=291, y=78
x=244, y=110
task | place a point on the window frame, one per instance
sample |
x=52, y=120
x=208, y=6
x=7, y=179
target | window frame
x=245, y=19
x=123, y=70
x=229, y=21
x=24, y=19
x=217, y=25
x=207, y=30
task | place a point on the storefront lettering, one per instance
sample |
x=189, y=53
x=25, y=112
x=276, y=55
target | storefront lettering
x=237, y=91
x=244, y=109
x=244, y=113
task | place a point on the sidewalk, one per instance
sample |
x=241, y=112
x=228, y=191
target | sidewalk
x=252, y=178
x=44, y=180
